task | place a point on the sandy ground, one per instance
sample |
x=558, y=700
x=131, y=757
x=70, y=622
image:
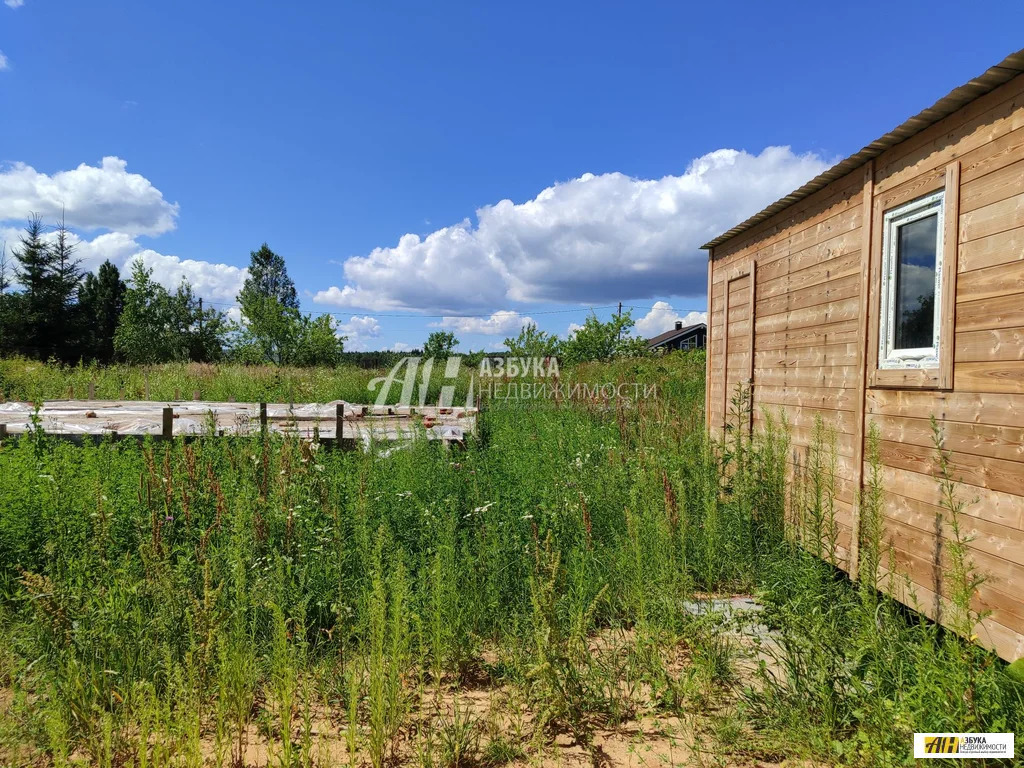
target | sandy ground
x=496, y=723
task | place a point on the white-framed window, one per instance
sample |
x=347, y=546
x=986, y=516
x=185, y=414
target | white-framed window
x=909, y=329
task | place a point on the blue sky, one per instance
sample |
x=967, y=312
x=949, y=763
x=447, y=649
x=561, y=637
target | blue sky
x=373, y=145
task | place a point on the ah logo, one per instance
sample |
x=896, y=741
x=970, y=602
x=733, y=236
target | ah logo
x=941, y=745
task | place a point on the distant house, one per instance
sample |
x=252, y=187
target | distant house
x=887, y=292
x=690, y=337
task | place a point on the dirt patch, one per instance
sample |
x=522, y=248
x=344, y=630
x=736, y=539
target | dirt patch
x=479, y=720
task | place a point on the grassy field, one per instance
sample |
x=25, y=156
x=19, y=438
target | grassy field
x=23, y=379
x=548, y=596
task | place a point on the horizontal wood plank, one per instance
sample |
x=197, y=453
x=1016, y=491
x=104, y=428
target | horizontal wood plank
x=994, y=474
x=970, y=407
x=996, y=344
x=996, y=377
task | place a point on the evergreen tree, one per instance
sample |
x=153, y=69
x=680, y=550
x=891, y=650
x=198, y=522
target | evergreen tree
x=7, y=301
x=268, y=278
x=6, y=271
x=270, y=308
x=101, y=301
x=68, y=329
x=67, y=275
x=35, y=272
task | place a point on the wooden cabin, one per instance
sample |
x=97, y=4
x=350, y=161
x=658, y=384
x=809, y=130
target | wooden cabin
x=888, y=290
x=688, y=337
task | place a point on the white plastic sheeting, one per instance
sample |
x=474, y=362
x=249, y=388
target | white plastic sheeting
x=363, y=423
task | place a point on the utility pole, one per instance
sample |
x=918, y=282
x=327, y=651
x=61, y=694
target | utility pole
x=620, y=317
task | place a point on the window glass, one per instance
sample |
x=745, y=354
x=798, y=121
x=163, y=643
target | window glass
x=915, y=284
x=911, y=269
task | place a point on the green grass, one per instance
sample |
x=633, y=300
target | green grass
x=182, y=604
x=24, y=379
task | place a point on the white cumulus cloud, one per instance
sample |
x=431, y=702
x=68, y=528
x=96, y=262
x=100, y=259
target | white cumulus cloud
x=662, y=317
x=5, y=63
x=359, y=330
x=14, y=3
x=116, y=247
x=589, y=240
x=219, y=282
x=89, y=197
x=499, y=323
x=108, y=197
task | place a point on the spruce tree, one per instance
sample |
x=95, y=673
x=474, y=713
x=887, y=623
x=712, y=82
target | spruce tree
x=270, y=306
x=101, y=302
x=70, y=334
x=7, y=316
x=6, y=272
x=268, y=278
x=35, y=272
x=67, y=273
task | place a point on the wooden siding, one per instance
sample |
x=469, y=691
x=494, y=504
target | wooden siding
x=813, y=299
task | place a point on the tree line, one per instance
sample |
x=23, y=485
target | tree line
x=51, y=309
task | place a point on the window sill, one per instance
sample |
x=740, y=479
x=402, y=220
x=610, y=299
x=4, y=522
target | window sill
x=906, y=378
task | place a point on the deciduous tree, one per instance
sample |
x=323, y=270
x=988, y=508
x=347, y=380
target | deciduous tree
x=440, y=344
x=598, y=340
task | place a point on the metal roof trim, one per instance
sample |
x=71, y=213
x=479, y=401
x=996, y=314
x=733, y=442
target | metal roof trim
x=993, y=77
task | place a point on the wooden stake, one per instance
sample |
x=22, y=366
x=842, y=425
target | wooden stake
x=177, y=394
x=339, y=420
x=168, y=425
x=3, y=431
x=92, y=390
x=263, y=417
x=195, y=394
